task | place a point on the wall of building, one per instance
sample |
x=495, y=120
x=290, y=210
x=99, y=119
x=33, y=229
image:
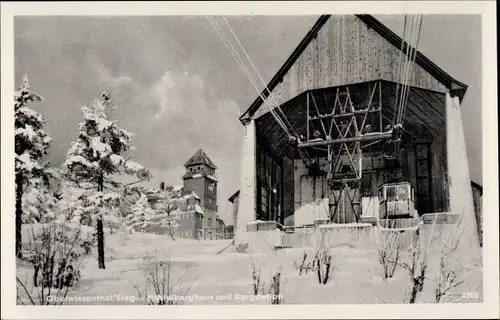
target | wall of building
x=198, y=186
x=210, y=219
x=345, y=51
x=198, y=225
x=210, y=195
x=187, y=225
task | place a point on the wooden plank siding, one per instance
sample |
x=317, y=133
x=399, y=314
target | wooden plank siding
x=345, y=51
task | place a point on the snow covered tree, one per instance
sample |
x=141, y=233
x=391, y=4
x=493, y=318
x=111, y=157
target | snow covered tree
x=31, y=144
x=95, y=158
x=39, y=204
x=140, y=217
x=164, y=208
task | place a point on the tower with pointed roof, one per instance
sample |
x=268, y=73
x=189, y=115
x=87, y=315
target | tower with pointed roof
x=200, y=178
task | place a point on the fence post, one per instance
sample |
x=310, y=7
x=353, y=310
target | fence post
x=303, y=236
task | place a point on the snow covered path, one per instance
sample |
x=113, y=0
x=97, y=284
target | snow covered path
x=205, y=275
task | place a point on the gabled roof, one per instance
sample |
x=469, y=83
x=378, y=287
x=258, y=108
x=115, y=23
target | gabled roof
x=200, y=157
x=455, y=87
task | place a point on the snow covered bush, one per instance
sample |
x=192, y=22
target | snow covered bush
x=323, y=265
x=31, y=144
x=40, y=205
x=388, y=255
x=95, y=158
x=256, y=284
x=303, y=264
x=275, y=288
x=416, y=268
x=454, y=269
x=166, y=285
x=56, y=252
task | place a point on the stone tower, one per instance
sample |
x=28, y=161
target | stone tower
x=200, y=178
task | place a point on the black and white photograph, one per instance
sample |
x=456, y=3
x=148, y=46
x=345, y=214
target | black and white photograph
x=250, y=159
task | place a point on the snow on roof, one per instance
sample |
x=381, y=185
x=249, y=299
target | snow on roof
x=211, y=177
x=177, y=188
x=197, y=175
x=195, y=195
x=198, y=209
x=345, y=225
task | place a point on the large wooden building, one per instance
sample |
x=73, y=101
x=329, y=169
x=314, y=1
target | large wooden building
x=338, y=95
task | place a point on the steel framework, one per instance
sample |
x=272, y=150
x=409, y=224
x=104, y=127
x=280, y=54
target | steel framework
x=344, y=130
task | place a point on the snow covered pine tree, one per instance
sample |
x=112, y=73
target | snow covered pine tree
x=95, y=158
x=31, y=144
x=140, y=217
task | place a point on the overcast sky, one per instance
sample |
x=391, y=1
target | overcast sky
x=177, y=87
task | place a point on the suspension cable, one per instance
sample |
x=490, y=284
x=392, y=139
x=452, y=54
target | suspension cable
x=228, y=44
x=412, y=65
x=405, y=70
x=408, y=66
x=406, y=79
x=258, y=74
x=302, y=153
x=244, y=69
x=399, y=71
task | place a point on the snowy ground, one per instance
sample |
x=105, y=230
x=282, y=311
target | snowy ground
x=206, y=275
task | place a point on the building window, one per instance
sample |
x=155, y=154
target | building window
x=211, y=187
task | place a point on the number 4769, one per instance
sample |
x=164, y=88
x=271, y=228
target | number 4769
x=472, y=295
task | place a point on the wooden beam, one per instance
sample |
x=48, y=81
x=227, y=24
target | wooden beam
x=380, y=105
x=308, y=117
x=349, y=114
x=375, y=136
